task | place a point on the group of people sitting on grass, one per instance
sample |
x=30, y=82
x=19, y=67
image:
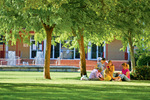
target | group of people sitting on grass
x=107, y=74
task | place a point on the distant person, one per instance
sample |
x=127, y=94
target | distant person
x=96, y=74
x=110, y=68
x=101, y=65
x=125, y=76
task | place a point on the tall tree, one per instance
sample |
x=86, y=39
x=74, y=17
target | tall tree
x=40, y=16
x=81, y=18
x=129, y=19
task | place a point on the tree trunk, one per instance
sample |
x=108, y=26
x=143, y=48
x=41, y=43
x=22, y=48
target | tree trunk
x=49, y=31
x=82, y=56
x=131, y=53
x=81, y=50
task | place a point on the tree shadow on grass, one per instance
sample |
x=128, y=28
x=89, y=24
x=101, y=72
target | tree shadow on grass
x=72, y=78
x=7, y=78
x=141, y=81
x=73, y=91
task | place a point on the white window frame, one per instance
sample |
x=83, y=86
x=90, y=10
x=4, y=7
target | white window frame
x=104, y=50
x=31, y=49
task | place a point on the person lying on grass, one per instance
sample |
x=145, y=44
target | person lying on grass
x=96, y=74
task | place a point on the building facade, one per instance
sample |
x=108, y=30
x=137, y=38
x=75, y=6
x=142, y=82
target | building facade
x=24, y=51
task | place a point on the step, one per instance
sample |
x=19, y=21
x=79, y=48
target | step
x=38, y=68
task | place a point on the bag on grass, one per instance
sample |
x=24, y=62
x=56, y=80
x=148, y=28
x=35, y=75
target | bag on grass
x=84, y=77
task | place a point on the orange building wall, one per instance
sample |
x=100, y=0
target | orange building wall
x=114, y=52
x=1, y=47
x=23, y=52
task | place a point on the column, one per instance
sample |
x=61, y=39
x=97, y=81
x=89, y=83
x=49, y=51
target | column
x=104, y=50
x=128, y=51
x=6, y=51
x=89, y=51
x=44, y=47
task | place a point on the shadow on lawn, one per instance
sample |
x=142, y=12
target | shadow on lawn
x=73, y=91
x=73, y=78
x=7, y=78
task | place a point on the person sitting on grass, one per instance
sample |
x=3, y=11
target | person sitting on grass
x=101, y=65
x=96, y=74
x=117, y=77
x=125, y=76
x=109, y=71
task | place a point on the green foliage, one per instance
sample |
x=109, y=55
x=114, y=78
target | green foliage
x=28, y=15
x=141, y=73
x=141, y=51
x=80, y=22
x=144, y=59
x=129, y=16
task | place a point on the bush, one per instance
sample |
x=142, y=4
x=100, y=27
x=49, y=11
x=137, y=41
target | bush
x=141, y=73
x=143, y=60
x=139, y=52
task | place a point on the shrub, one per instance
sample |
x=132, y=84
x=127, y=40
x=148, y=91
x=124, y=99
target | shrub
x=143, y=60
x=141, y=73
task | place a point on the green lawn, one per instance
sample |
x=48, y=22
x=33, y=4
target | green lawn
x=67, y=86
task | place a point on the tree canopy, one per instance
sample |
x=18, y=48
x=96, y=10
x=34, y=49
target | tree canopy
x=129, y=20
x=91, y=20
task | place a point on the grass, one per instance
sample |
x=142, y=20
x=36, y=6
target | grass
x=67, y=86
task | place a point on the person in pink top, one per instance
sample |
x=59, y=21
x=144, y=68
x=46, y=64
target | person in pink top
x=125, y=70
x=125, y=76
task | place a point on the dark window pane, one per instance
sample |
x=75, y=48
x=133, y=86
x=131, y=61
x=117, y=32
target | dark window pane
x=100, y=51
x=32, y=37
x=56, y=55
x=51, y=51
x=1, y=37
x=33, y=54
x=93, y=51
x=77, y=54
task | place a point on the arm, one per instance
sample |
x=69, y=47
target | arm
x=127, y=73
x=101, y=79
x=112, y=69
x=100, y=76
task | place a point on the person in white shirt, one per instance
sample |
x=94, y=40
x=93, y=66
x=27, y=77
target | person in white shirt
x=96, y=74
x=101, y=65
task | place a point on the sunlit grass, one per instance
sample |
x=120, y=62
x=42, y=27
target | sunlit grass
x=32, y=86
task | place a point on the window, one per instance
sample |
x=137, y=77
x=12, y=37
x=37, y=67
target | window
x=35, y=48
x=58, y=49
x=56, y=53
x=97, y=51
x=94, y=51
x=100, y=51
x=1, y=38
x=67, y=53
x=51, y=51
x=55, y=50
x=77, y=54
